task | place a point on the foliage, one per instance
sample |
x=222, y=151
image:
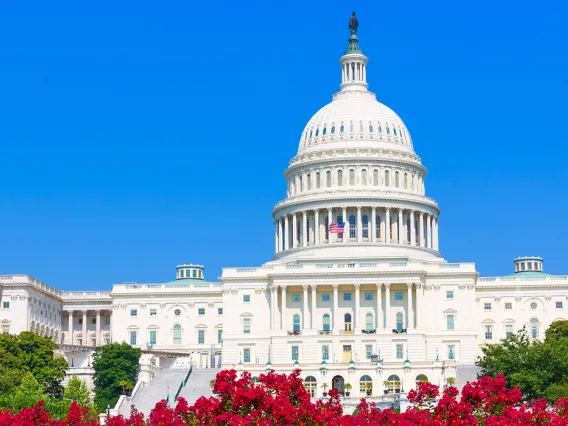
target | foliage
x=113, y=364
x=539, y=369
x=78, y=391
x=29, y=352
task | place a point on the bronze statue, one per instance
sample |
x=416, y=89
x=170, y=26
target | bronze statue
x=353, y=23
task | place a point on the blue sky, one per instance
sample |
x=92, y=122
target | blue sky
x=138, y=135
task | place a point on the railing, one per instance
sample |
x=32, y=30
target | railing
x=183, y=383
x=524, y=278
x=324, y=265
x=395, y=264
x=367, y=265
x=246, y=269
x=401, y=331
x=324, y=332
x=294, y=266
x=450, y=265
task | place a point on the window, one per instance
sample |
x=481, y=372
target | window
x=449, y=294
x=352, y=227
x=332, y=129
x=398, y=295
x=177, y=334
x=325, y=353
x=295, y=298
x=153, y=312
x=328, y=178
x=508, y=330
x=346, y=296
x=194, y=273
x=325, y=297
x=340, y=178
x=347, y=320
x=451, y=352
x=508, y=305
x=246, y=355
x=399, y=351
x=201, y=311
x=93, y=321
x=399, y=321
x=488, y=332
x=365, y=220
x=6, y=305
x=296, y=322
x=487, y=306
x=177, y=312
x=368, y=351
x=342, y=128
x=387, y=178
x=558, y=305
x=246, y=298
x=393, y=384
x=375, y=177
x=318, y=184
x=133, y=338
x=326, y=325
x=421, y=378
x=220, y=336
x=363, y=177
x=368, y=296
x=534, y=328
x=246, y=325
x=133, y=313
x=311, y=384
x=219, y=311
x=201, y=337
x=365, y=383
x=153, y=335
x=369, y=321
x=534, y=305
x=295, y=353
x=450, y=322
x=351, y=177
x=377, y=227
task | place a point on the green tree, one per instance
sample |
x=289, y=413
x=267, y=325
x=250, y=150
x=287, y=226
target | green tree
x=557, y=330
x=77, y=391
x=113, y=364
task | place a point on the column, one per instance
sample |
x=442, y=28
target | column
x=387, y=305
x=421, y=229
x=304, y=228
x=284, y=321
x=305, y=313
x=412, y=229
x=280, y=234
x=346, y=230
x=98, y=328
x=387, y=225
x=435, y=231
x=374, y=225
x=400, y=227
x=274, y=308
x=276, y=236
x=294, y=231
x=335, y=308
x=379, y=313
x=356, y=319
x=359, y=226
x=330, y=219
x=314, y=298
x=410, y=311
x=316, y=226
x=70, y=332
x=286, y=233
x=428, y=231
x=84, y=328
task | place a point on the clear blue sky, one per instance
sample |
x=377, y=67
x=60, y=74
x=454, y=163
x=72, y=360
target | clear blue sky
x=138, y=135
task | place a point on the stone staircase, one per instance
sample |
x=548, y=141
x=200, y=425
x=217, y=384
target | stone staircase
x=198, y=384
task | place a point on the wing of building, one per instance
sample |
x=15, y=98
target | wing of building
x=372, y=303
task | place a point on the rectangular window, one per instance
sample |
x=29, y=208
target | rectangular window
x=295, y=352
x=346, y=296
x=246, y=325
x=194, y=273
x=153, y=336
x=325, y=297
x=80, y=321
x=451, y=352
x=93, y=321
x=133, y=313
x=325, y=353
x=368, y=351
x=488, y=332
x=487, y=306
x=6, y=305
x=246, y=355
x=449, y=294
x=508, y=330
x=398, y=295
x=399, y=351
x=450, y=322
x=201, y=336
x=508, y=305
x=133, y=338
x=246, y=298
x=368, y=296
x=153, y=312
x=107, y=321
x=219, y=336
x=558, y=305
x=295, y=298
x=219, y=311
x=201, y=311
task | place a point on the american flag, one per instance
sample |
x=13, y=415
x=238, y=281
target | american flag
x=337, y=227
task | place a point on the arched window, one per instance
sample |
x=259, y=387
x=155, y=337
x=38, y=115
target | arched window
x=324, y=131
x=317, y=132
x=341, y=128
x=369, y=321
x=370, y=128
x=365, y=220
x=364, y=177
x=388, y=130
x=387, y=178
x=380, y=129
x=421, y=378
x=301, y=186
x=351, y=177
x=377, y=227
x=328, y=178
x=365, y=384
x=397, y=179
x=534, y=328
x=376, y=177
x=340, y=178
x=311, y=131
x=326, y=322
x=309, y=179
x=394, y=130
x=177, y=334
x=318, y=182
x=360, y=127
x=347, y=319
x=333, y=129
x=351, y=127
x=296, y=323
x=255, y=379
x=311, y=385
x=393, y=383
x=352, y=226
x=399, y=321
x=405, y=183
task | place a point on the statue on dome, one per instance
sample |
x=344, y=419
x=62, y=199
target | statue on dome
x=353, y=23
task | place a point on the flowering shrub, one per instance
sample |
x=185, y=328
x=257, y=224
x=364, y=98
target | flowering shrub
x=278, y=399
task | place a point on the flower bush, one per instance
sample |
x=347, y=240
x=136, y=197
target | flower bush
x=279, y=399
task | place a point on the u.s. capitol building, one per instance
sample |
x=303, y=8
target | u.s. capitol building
x=375, y=304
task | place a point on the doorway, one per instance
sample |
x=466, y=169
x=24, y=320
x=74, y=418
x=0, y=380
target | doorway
x=347, y=353
x=338, y=383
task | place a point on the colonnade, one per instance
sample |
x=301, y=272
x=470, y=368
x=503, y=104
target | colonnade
x=99, y=339
x=362, y=224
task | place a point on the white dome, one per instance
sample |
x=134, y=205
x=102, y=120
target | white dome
x=354, y=119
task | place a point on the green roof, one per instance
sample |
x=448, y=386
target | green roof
x=529, y=274
x=191, y=281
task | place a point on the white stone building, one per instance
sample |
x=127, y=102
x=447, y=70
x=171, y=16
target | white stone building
x=377, y=306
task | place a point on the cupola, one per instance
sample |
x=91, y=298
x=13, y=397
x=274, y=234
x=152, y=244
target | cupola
x=186, y=271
